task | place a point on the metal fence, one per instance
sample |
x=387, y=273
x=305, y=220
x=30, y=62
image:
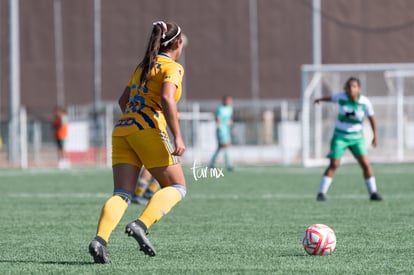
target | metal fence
x=261, y=134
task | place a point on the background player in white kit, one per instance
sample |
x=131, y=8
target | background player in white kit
x=353, y=107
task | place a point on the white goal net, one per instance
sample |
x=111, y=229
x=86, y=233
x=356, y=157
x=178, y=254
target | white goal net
x=390, y=87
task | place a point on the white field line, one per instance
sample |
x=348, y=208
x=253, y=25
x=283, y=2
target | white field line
x=392, y=170
x=50, y=171
x=268, y=196
x=56, y=195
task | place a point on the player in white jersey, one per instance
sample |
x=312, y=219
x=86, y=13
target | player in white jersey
x=348, y=134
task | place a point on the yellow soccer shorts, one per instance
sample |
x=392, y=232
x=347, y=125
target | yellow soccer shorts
x=148, y=147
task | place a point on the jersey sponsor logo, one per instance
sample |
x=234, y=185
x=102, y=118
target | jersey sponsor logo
x=348, y=114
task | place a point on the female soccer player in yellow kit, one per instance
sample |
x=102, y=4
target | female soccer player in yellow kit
x=149, y=105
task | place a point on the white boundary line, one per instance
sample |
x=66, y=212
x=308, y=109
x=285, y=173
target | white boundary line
x=272, y=169
x=268, y=196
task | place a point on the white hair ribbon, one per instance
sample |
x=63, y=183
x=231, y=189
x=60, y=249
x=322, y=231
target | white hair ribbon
x=172, y=38
x=163, y=26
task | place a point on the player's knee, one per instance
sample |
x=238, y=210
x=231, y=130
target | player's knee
x=333, y=166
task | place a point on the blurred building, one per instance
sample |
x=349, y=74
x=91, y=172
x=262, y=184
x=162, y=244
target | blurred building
x=217, y=59
x=250, y=49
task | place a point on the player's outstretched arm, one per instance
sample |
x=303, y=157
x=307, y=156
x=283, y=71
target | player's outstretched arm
x=323, y=99
x=374, y=130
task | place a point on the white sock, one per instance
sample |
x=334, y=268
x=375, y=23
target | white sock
x=371, y=185
x=325, y=183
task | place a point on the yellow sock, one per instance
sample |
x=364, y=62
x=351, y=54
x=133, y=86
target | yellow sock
x=161, y=203
x=141, y=187
x=111, y=214
x=153, y=186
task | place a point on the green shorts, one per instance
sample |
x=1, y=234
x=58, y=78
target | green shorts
x=223, y=135
x=339, y=144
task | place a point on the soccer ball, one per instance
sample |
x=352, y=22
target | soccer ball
x=319, y=239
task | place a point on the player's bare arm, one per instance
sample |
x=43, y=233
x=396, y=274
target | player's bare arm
x=171, y=116
x=374, y=130
x=323, y=99
x=123, y=99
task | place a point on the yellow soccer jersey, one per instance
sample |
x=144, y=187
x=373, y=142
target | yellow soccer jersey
x=143, y=110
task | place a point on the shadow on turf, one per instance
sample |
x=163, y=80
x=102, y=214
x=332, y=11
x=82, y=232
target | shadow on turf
x=47, y=262
x=293, y=254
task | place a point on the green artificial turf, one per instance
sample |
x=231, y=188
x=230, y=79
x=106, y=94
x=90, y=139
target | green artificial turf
x=249, y=221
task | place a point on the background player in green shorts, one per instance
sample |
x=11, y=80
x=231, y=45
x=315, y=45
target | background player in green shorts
x=353, y=107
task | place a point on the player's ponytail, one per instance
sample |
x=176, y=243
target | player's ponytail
x=162, y=38
x=148, y=62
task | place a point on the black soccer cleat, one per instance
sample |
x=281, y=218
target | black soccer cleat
x=375, y=197
x=98, y=252
x=321, y=197
x=137, y=230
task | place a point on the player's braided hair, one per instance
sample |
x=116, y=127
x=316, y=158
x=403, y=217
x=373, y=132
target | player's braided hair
x=163, y=37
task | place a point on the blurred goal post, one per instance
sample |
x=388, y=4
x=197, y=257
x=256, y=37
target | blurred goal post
x=389, y=86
